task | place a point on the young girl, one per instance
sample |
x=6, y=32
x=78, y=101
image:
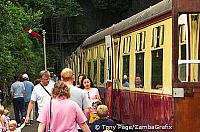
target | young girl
x=2, y=124
x=6, y=118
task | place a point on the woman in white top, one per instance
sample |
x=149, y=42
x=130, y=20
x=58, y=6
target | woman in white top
x=92, y=94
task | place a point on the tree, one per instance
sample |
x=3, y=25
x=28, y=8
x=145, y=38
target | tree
x=16, y=53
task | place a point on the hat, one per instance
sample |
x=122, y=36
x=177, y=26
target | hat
x=25, y=76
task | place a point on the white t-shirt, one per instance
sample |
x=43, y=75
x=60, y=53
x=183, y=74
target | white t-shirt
x=40, y=95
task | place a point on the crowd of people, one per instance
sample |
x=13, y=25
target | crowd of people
x=62, y=105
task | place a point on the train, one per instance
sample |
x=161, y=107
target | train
x=147, y=67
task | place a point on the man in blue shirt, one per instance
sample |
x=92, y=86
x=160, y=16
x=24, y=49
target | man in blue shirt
x=18, y=92
x=28, y=91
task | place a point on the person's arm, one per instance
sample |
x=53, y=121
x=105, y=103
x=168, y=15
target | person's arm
x=86, y=111
x=86, y=106
x=84, y=127
x=3, y=123
x=30, y=107
x=97, y=94
x=24, y=92
x=41, y=127
x=11, y=91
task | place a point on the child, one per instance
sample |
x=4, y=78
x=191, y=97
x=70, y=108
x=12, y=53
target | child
x=6, y=118
x=104, y=123
x=13, y=126
x=2, y=124
x=93, y=115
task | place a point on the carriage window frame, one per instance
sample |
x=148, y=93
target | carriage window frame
x=188, y=63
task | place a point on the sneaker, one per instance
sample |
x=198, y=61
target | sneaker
x=23, y=119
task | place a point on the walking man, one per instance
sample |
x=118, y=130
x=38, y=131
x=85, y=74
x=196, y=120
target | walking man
x=28, y=90
x=41, y=93
x=77, y=94
x=18, y=92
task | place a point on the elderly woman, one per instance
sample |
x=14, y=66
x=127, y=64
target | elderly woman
x=62, y=114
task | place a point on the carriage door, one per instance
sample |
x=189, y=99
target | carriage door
x=116, y=80
x=187, y=104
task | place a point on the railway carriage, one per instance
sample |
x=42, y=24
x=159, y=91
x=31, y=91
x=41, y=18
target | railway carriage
x=158, y=48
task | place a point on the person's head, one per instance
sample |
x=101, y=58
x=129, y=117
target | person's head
x=16, y=77
x=67, y=75
x=37, y=81
x=44, y=77
x=137, y=80
x=102, y=111
x=79, y=79
x=6, y=112
x=25, y=76
x=12, y=125
x=96, y=103
x=86, y=82
x=60, y=90
x=1, y=109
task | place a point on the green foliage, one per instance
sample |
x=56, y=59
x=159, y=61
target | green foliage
x=112, y=5
x=52, y=7
x=67, y=8
x=16, y=53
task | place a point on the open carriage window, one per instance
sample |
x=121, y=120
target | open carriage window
x=139, y=78
x=189, y=56
x=126, y=59
x=102, y=67
x=89, y=68
x=95, y=72
x=157, y=69
x=125, y=79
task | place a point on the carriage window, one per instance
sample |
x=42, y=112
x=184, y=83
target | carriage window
x=108, y=64
x=140, y=41
x=157, y=69
x=182, y=67
x=139, y=78
x=189, y=56
x=126, y=48
x=102, y=67
x=158, y=36
x=95, y=72
x=125, y=79
x=89, y=68
x=182, y=30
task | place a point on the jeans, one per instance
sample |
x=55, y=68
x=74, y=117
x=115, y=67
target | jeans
x=19, y=106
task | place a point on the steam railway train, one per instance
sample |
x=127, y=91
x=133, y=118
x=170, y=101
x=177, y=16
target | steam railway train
x=161, y=46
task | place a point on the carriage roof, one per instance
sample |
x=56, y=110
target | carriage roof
x=145, y=15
